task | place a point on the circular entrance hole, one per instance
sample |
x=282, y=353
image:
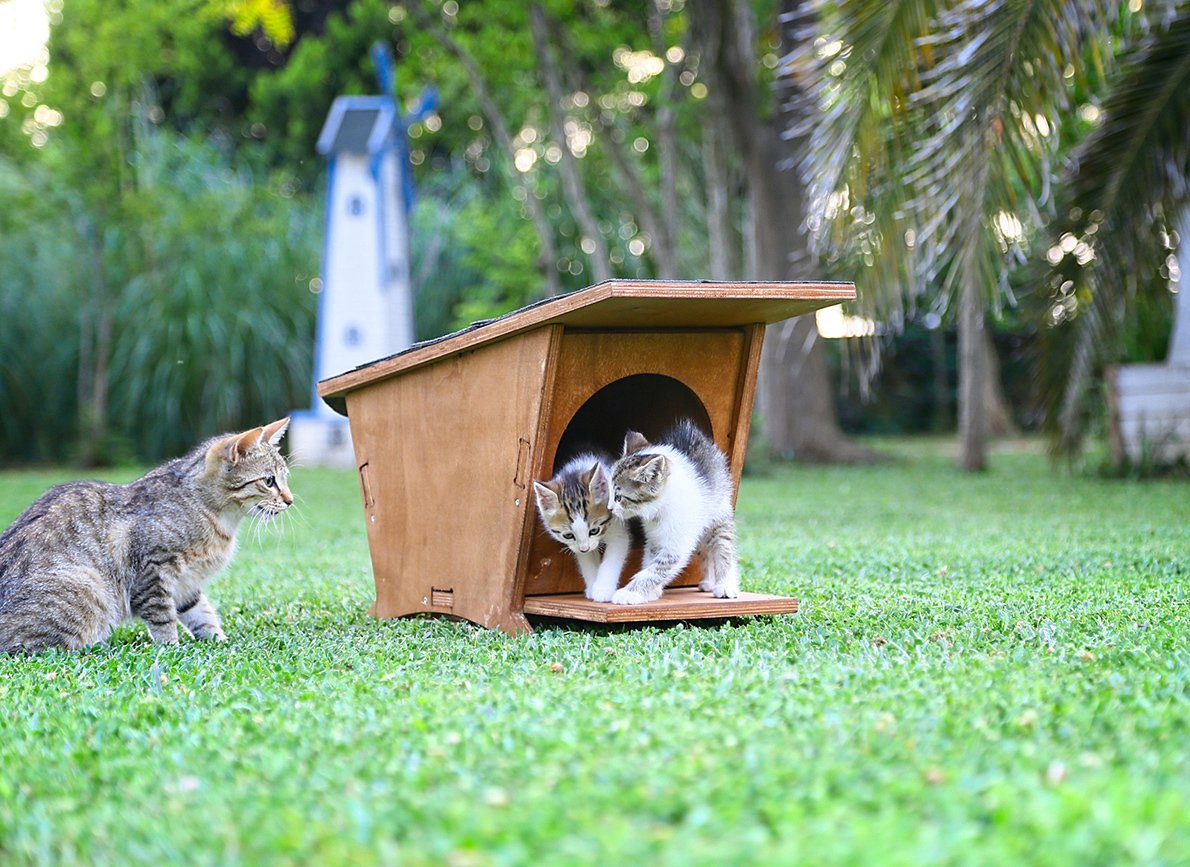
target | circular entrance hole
x=645, y=402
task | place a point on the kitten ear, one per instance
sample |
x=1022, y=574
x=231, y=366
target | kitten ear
x=654, y=469
x=634, y=442
x=547, y=497
x=598, y=485
x=273, y=432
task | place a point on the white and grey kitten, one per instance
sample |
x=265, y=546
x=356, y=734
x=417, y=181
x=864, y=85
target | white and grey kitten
x=680, y=488
x=576, y=510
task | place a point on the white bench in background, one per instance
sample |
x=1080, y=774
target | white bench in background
x=1150, y=403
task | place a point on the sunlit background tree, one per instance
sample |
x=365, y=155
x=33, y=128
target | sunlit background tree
x=1008, y=172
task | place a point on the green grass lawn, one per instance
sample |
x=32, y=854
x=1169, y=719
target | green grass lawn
x=987, y=670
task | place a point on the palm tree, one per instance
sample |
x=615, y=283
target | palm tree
x=1125, y=192
x=936, y=145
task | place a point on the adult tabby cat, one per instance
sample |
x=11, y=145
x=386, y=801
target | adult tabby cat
x=575, y=507
x=88, y=555
x=680, y=488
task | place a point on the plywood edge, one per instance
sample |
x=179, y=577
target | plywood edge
x=678, y=603
x=745, y=400
x=576, y=308
x=809, y=289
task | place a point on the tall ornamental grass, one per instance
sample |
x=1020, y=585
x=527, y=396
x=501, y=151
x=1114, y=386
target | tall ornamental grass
x=209, y=273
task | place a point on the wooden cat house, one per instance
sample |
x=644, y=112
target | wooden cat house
x=450, y=434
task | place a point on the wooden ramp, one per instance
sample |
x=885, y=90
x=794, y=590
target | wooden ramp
x=677, y=603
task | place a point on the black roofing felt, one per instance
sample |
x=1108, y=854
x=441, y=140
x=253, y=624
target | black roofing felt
x=474, y=326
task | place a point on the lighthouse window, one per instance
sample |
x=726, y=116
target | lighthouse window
x=355, y=206
x=353, y=337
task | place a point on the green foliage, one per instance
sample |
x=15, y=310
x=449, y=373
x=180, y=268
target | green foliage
x=218, y=327
x=474, y=255
x=290, y=104
x=151, y=292
x=272, y=17
x=122, y=129
x=1000, y=683
x=213, y=321
x=39, y=264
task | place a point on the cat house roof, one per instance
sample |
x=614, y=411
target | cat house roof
x=614, y=304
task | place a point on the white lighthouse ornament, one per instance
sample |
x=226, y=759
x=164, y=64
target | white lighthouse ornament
x=365, y=308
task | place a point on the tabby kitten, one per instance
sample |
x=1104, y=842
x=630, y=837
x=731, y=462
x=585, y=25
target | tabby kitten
x=680, y=489
x=88, y=555
x=575, y=509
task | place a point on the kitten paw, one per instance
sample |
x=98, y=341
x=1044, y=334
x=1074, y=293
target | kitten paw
x=629, y=596
x=601, y=594
x=706, y=585
x=726, y=591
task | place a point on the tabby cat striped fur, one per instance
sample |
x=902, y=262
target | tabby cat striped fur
x=89, y=555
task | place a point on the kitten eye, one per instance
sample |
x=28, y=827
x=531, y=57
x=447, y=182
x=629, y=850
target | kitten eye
x=270, y=481
x=595, y=531
x=568, y=535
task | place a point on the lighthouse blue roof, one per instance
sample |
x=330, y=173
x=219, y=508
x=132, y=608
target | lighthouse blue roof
x=357, y=124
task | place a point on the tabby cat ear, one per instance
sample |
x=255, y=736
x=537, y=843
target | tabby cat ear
x=234, y=446
x=547, y=498
x=634, y=442
x=273, y=432
x=244, y=442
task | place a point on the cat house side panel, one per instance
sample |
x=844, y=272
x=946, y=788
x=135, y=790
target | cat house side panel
x=444, y=455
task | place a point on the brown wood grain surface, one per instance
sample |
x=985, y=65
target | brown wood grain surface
x=441, y=448
x=449, y=436
x=678, y=603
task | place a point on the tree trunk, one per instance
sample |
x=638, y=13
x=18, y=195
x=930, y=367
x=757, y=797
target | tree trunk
x=723, y=260
x=996, y=411
x=796, y=404
x=941, y=381
x=95, y=354
x=661, y=230
x=547, y=262
x=667, y=150
x=572, y=181
x=973, y=374
x=1179, y=338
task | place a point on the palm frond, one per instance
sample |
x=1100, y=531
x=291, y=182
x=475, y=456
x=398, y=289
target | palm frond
x=988, y=122
x=937, y=127
x=856, y=62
